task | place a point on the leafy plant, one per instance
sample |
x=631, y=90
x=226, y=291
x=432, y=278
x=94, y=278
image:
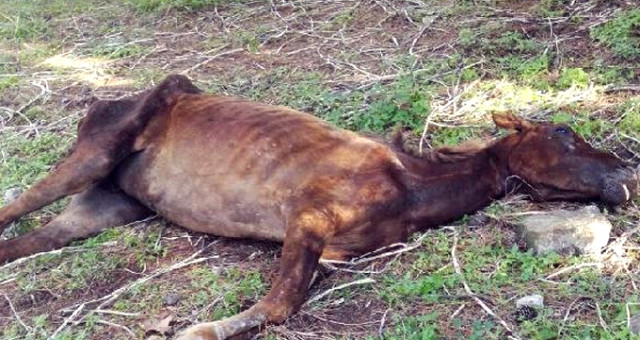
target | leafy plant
x=573, y=77
x=406, y=104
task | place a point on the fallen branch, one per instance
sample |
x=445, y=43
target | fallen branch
x=374, y=255
x=15, y=314
x=342, y=286
x=570, y=268
x=66, y=321
x=113, y=324
x=620, y=88
x=111, y=297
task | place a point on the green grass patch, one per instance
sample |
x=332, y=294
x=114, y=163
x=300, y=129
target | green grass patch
x=31, y=158
x=117, y=51
x=232, y=287
x=186, y=5
x=32, y=20
x=573, y=77
x=587, y=126
x=607, y=75
x=405, y=102
x=630, y=123
x=621, y=34
x=9, y=82
x=414, y=327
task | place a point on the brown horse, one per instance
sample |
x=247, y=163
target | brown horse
x=235, y=168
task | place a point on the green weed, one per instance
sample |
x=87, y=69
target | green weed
x=405, y=104
x=620, y=34
x=573, y=77
x=414, y=327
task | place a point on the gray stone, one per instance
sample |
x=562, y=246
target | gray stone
x=634, y=324
x=11, y=195
x=582, y=231
x=171, y=299
x=535, y=301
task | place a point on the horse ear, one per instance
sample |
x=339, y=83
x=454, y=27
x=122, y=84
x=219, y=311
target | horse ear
x=509, y=121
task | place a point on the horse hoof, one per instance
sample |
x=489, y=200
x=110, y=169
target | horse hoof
x=198, y=332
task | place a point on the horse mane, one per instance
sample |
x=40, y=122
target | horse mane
x=447, y=154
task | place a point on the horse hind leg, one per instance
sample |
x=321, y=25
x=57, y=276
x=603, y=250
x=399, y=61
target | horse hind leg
x=107, y=135
x=86, y=165
x=89, y=212
x=303, y=245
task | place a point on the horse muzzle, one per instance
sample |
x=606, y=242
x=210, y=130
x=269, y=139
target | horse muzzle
x=620, y=186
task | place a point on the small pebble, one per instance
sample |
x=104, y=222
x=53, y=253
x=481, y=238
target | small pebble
x=171, y=299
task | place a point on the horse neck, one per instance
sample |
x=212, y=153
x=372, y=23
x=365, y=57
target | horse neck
x=447, y=186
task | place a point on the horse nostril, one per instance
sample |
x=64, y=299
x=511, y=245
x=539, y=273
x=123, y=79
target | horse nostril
x=620, y=186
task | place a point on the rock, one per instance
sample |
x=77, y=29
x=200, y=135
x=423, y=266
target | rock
x=527, y=307
x=155, y=337
x=524, y=313
x=634, y=324
x=583, y=231
x=11, y=195
x=171, y=299
x=535, y=301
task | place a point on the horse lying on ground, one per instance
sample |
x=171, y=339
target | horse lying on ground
x=235, y=168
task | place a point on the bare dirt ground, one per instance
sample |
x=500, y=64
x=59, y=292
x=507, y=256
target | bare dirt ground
x=438, y=67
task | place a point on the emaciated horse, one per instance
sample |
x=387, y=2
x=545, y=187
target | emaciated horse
x=235, y=168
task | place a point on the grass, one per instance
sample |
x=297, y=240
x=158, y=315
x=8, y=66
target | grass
x=621, y=34
x=186, y=5
x=350, y=66
x=31, y=157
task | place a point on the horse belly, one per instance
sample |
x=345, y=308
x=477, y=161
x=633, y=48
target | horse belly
x=201, y=202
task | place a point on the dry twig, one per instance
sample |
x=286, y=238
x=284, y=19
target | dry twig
x=342, y=286
x=15, y=314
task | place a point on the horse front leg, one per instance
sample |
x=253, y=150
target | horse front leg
x=303, y=245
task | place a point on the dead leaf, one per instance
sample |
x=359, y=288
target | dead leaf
x=160, y=324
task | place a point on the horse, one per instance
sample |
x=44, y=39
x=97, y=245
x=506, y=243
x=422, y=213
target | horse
x=230, y=167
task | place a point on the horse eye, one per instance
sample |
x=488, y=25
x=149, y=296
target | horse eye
x=562, y=130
